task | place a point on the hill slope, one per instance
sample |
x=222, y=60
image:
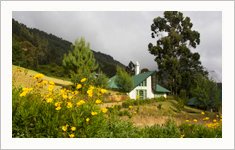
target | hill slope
x=44, y=52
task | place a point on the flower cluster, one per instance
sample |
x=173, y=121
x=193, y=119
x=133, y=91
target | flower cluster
x=210, y=123
x=25, y=91
x=68, y=130
x=83, y=100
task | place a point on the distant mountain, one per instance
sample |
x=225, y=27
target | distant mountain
x=38, y=50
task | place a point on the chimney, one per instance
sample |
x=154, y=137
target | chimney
x=137, y=68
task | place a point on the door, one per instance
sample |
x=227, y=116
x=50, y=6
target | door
x=141, y=94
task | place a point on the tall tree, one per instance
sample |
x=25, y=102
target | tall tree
x=176, y=63
x=80, y=62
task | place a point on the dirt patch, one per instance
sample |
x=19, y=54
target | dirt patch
x=149, y=120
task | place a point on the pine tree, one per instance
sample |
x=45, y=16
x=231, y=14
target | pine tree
x=80, y=62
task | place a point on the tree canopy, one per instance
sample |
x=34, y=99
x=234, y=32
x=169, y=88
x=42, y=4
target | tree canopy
x=176, y=63
x=80, y=62
x=124, y=80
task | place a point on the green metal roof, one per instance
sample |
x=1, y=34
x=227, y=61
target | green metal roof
x=161, y=89
x=137, y=79
x=111, y=83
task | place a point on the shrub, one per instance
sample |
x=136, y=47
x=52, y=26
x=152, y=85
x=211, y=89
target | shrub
x=101, y=80
x=200, y=131
x=168, y=130
x=124, y=80
x=53, y=113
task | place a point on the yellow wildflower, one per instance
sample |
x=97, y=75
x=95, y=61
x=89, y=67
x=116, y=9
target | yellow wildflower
x=130, y=107
x=187, y=120
x=64, y=128
x=214, y=120
x=98, y=101
x=23, y=94
x=70, y=97
x=58, y=108
x=44, y=82
x=57, y=104
x=87, y=119
x=206, y=118
x=38, y=76
x=76, y=92
x=217, y=116
x=25, y=91
x=104, y=110
x=52, y=83
x=64, y=96
x=83, y=80
x=203, y=113
x=80, y=102
x=62, y=91
x=72, y=135
x=73, y=128
x=49, y=100
x=51, y=87
x=91, y=87
x=94, y=113
x=78, y=86
x=103, y=91
x=69, y=105
x=195, y=120
x=90, y=93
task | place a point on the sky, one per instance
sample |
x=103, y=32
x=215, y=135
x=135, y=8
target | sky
x=125, y=35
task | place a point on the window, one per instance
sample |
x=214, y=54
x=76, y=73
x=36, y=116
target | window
x=141, y=94
x=144, y=83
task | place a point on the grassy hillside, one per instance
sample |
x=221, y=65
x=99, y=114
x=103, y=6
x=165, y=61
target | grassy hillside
x=23, y=77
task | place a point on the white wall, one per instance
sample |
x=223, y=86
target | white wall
x=150, y=93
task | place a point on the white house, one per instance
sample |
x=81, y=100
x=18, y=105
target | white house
x=145, y=85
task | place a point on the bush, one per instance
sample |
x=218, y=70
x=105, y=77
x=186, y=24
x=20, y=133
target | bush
x=124, y=80
x=168, y=130
x=200, y=131
x=101, y=80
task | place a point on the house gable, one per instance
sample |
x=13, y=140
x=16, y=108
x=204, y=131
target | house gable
x=138, y=79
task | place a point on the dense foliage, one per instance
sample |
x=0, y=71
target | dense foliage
x=124, y=80
x=177, y=65
x=179, y=68
x=38, y=50
x=80, y=62
x=208, y=93
x=130, y=68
